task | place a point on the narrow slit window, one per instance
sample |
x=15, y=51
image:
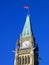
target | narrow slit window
x=25, y=60
x=28, y=59
x=22, y=60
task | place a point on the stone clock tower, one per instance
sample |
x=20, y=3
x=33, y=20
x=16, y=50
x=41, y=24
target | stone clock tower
x=27, y=51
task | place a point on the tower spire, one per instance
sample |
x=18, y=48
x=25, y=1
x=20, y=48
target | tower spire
x=27, y=27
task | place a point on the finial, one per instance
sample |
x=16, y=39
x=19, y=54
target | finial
x=17, y=43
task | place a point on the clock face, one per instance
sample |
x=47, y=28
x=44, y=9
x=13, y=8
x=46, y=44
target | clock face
x=26, y=44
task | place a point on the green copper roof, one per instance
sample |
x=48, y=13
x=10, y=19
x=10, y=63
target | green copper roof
x=27, y=28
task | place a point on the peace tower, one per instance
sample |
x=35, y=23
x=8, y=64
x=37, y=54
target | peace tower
x=27, y=51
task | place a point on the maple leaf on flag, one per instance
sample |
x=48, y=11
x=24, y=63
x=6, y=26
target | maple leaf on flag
x=27, y=7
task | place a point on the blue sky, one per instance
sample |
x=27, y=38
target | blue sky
x=12, y=19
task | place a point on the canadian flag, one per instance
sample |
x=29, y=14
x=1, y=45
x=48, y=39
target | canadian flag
x=27, y=7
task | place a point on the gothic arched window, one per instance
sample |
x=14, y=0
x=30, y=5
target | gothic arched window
x=19, y=60
x=25, y=60
x=28, y=59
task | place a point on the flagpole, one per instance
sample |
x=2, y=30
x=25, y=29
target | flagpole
x=27, y=7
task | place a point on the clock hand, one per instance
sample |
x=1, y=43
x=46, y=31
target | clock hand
x=25, y=44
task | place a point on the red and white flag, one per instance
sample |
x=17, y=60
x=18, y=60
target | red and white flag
x=27, y=7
